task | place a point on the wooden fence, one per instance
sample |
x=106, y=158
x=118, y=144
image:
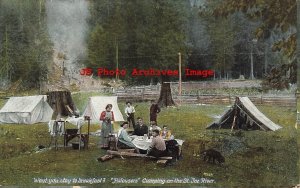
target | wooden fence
x=146, y=93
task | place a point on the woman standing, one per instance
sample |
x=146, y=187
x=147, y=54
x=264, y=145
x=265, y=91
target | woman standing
x=106, y=117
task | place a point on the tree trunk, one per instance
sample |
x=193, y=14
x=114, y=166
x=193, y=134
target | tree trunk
x=58, y=101
x=165, y=98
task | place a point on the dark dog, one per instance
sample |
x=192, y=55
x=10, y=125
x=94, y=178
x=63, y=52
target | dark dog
x=212, y=155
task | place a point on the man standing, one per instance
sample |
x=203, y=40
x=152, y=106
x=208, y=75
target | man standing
x=154, y=110
x=129, y=111
x=140, y=129
x=158, y=145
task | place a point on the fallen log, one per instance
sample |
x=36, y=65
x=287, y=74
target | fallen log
x=125, y=150
x=105, y=158
x=162, y=162
x=128, y=154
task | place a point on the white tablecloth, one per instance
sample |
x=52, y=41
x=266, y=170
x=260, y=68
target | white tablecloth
x=76, y=121
x=140, y=143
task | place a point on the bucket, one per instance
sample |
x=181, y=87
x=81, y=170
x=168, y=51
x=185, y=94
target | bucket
x=75, y=145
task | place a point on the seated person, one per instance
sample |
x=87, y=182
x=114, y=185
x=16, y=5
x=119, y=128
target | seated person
x=173, y=149
x=165, y=133
x=124, y=141
x=153, y=126
x=158, y=146
x=140, y=128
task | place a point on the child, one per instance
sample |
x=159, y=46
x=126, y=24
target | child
x=165, y=133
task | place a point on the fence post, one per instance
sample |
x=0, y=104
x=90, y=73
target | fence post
x=143, y=93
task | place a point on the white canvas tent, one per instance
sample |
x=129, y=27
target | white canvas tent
x=244, y=115
x=26, y=110
x=97, y=104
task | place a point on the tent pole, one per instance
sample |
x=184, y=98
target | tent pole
x=88, y=135
x=234, y=118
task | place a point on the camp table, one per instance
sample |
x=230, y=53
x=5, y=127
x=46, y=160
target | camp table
x=141, y=143
x=72, y=133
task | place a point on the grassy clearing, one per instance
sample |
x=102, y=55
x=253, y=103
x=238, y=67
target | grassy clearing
x=253, y=159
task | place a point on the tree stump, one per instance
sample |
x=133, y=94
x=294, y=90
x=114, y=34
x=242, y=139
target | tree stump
x=165, y=98
x=61, y=102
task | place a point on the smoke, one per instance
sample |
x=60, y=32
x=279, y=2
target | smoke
x=67, y=27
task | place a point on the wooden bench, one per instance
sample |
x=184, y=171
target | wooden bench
x=130, y=154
